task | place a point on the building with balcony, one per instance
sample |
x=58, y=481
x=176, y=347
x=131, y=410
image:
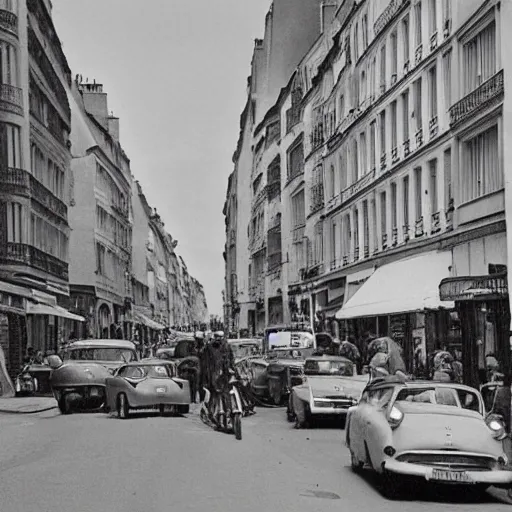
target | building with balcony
x=100, y=216
x=35, y=181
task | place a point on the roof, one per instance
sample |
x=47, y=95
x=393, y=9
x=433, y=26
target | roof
x=102, y=344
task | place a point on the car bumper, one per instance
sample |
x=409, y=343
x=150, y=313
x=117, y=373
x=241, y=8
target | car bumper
x=329, y=411
x=152, y=401
x=497, y=478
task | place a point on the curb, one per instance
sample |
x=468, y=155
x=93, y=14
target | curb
x=500, y=494
x=32, y=411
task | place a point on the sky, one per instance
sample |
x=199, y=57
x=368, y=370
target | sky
x=175, y=72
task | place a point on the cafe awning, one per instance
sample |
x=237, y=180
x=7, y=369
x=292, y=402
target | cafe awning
x=45, y=309
x=402, y=286
x=140, y=318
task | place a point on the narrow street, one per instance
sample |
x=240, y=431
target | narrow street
x=94, y=462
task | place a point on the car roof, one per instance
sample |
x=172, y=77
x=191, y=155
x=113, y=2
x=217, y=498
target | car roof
x=102, y=344
x=150, y=362
x=328, y=358
x=245, y=341
x=393, y=381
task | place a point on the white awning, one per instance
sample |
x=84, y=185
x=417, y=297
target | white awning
x=355, y=281
x=402, y=286
x=140, y=318
x=45, y=309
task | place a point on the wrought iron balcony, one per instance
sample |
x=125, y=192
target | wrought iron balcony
x=8, y=21
x=433, y=127
x=316, y=138
x=356, y=253
x=436, y=223
x=394, y=155
x=418, y=54
x=123, y=212
x=490, y=92
x=22, y=183
x=383, y=162
x=405, y=228
x=384, y=241
x=394, y=236
x=418, y=228
x=356, y=187
x=407, y=148
x=419, y=138
x=433, y=41
x=24, y=254
x=366, y=251
x=11, y=98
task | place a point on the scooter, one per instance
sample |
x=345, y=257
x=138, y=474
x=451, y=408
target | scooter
x=26, y=384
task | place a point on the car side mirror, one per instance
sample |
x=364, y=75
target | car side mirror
x=54, y=362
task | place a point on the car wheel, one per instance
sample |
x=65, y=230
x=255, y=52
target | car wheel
x=237, y=426
x=123, y=409
x=355, y=464
x=391, y=485
x=183, y=409
x=63, y=404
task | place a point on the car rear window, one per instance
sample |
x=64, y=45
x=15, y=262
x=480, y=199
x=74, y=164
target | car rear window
x=442, y=395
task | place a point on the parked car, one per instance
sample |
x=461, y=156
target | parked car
x=151, y=383
x=78, y=380
x=429, y=430
x=285, y=370
x=330, y=387
x=245, y=348
x=253, y=371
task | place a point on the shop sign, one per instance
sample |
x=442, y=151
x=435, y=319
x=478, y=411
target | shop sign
x=473, y=288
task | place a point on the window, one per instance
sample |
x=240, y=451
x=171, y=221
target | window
x=356, y=233
x=479, y=58
x=383, y=132
x=15, y=223
x=355, y=161
x=383, y=216
x=417, y=19
x=394, y=54
x=342, y=107
x=383, y=68
x=373, y=77
x=343, y=169
x=373, y=144
x=419, y=189
x=363, y=85
x=296, y=161
x=8, y=64
x=362, y=147
x=346, y=237
x=10, y=144
x=432, y=80
x=333, y=242
x=406, y=200
x=447, y=171
x=405, y=39
x=394, y=134
x=417, y=105
x=366, y=227
x=394, y=213
x=434, y=206
x=364, y=30
x=432, y=15
x=481, y=165
x=332, y=174
x=319, y=243
x=447, y=65
x=405, y=114
x=356, y=41
x=298, y=210
x=447, y=10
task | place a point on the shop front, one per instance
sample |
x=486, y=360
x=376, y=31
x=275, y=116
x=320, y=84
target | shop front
x=482, y=305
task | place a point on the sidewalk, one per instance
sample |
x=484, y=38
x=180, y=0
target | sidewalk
x=27, y=405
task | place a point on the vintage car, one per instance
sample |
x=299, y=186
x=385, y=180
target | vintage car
x=79, y=382
x=330, y=387
x=429, y=430
x=147, y=384
x=285, y=370
x=245, y=348
x=253, y=371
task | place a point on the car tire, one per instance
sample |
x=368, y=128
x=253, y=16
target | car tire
x=355, y=464
x=63, y=404
x=391, y=485
x=123, y=409
x=183, y=409
x=237, y=426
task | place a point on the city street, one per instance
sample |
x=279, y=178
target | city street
x=94, y=462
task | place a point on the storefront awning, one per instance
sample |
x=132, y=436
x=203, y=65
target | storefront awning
x=45, y=309
x=474, y=287
x=355, y=281
x=402, y=286
x=144, y=320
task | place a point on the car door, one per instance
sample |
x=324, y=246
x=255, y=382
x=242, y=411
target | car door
x=112, y=387
x=355, y=426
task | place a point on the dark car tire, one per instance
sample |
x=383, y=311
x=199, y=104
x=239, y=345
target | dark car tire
x=237, y=426
x=183, y=409
x=391, y=486
x=63, y=404
x=123, y=409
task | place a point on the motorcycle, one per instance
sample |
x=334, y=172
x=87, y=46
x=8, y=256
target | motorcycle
x=26, y=384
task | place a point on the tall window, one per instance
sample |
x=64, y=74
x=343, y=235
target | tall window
x=419, y=195
x=100, y=259
x=356, y=229
x=434, y=201
x=383, y=132
x=383, y=214
x=319, y=243
x=356, y=40
x=479, y=58
x=347, y=236
x=343, y=168
x=394, y=54
x=383, y=67
x=432, y=82
x=15, y=223
x=373, y=77
x=394, y=212
x=405, y=39
x=418, y=111
x=364, y=30
x=447, y=172
x=366, y=227
x=296, y=161
x=363, y=149
x=405, y=184
x=417, y=20
x=8, y=64
x=333, y=242
x=405, y=114
x=10, y=146
x=332, y=175
x=374, y=224
x=355, y=161
x=432, y=15
x=373, y=144
x=447, y=10
x=394, y=134
x=298, y=210
x=447, y=72
x=363, y=85
x=481, y=171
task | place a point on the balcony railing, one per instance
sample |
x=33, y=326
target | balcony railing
x=317, y=197
x=419, y=138
x=334, y=264
x=8, y=21
x=418, y=228
x=433, y=127
x=16, y=253
x=11, y=98
x=418, y=54
x=433, y=41
x=436, y=223
x=384, y=241
x=383, y=162
x=482, y=97
x=298, y=234
x=387, y=16
x=405, y=228
x=407, y=148
x=20, y=182
x=394, y=155
x=394, y=236
x=345, y=260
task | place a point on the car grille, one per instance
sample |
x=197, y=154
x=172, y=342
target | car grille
x=450, y=460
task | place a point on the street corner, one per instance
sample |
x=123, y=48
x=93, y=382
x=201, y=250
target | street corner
x=29, y=405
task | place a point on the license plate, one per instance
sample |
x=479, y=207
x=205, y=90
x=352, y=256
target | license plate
x=451, y=476
x=160, y=390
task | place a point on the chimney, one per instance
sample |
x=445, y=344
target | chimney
x=113, y=127
x=327, y=14
x=95, y=101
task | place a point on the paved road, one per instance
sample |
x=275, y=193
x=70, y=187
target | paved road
x=96, y=463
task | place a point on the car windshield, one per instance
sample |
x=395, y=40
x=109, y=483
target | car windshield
x=240, y=351
x=151, y=371
x=442, y=395
x=313, y=367
x=120, y=355
x=285, y=354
